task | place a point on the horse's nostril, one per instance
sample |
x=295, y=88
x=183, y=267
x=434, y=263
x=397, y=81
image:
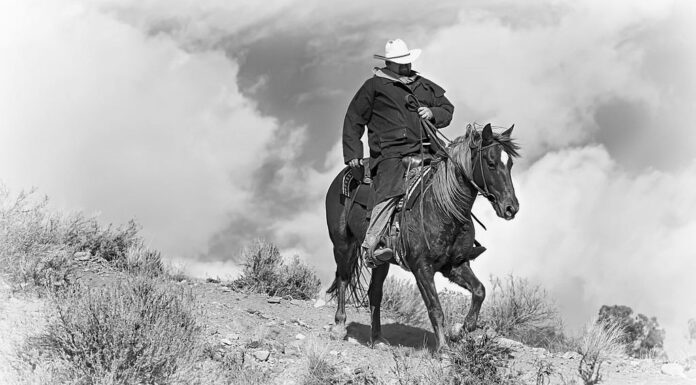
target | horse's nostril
x=509, y=212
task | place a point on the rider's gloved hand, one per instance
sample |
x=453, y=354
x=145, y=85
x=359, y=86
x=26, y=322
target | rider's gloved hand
x=425, y=113
x=355, y=162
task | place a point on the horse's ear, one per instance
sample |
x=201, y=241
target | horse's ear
x=508, y=132
x=487, y=134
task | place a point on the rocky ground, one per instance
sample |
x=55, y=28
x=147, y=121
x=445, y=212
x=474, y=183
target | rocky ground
x=275, y=336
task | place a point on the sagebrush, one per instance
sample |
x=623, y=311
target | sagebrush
x=137, y=331
x=265, y=271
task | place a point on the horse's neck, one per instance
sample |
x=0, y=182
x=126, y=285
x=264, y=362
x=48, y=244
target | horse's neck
x=463, y=190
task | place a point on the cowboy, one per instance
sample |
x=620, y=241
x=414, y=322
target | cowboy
x=393, y=133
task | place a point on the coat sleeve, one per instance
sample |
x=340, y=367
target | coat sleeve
x=442, y=108
x=357, y=116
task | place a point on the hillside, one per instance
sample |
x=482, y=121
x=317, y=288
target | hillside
x=276, y=341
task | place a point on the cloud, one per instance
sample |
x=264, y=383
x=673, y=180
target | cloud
x=104, y=117
x=595, y=234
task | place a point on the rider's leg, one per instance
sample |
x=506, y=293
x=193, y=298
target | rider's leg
x=381, y=214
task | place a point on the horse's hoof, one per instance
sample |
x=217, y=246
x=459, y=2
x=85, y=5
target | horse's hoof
x=380, y=344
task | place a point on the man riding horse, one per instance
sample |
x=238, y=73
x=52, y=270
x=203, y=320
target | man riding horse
x=394, y=132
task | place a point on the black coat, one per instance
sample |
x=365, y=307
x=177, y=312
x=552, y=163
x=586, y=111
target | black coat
x=393, y=131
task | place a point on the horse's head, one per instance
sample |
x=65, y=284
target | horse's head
x=491, y=163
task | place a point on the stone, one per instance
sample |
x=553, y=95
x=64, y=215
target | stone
x=300, y=336
x=327, y=328
x=673, y=369
x=226, y=341
x=352, y=341
x=457, y=328
x=226, y=289
x=319, y=303
x=571, y=355
x=333, y=353
x=232, y=336
x=274, y=300
x=508, y=343
x=262, y=355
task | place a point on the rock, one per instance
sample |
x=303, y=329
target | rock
x=300, y=336
x=319, y=303
x=347, y=370
x=673, y=369
x=226, y=341
x=274, y=300
x=327, y=328
x=226, y=289
x=508, y=343
x=571, y=355
x=301, y=323
x=262, y=355
x=232, y=336
x=352, y=341
x=333, y=353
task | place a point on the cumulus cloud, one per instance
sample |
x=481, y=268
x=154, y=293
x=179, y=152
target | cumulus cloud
x=102, y=117
x=595, y=234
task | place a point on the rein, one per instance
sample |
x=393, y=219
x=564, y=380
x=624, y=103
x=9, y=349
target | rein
x=440, y=142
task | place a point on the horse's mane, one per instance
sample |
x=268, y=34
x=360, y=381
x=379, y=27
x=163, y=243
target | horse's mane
x=450, y=196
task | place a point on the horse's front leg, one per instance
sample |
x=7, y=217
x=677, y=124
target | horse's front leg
x=426, y=284
x=379, y=274
x=463, y=276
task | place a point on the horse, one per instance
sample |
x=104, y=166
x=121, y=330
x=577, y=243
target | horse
x=438, y=230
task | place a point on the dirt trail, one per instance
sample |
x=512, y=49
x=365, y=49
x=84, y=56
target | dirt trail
x=274, y=338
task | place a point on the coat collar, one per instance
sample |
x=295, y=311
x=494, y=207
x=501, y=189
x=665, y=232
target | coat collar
x=385, y=73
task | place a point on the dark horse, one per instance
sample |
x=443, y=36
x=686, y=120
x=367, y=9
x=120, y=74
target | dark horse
x=441, y=237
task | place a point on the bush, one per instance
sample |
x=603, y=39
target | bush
x=404, y=301
x=135, y=332
x=110, y=243
x=480, y=361
x=518, y=309
x=600, y=340
x=642, y=335
x=266, y=272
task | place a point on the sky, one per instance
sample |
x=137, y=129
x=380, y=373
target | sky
x=214, y=123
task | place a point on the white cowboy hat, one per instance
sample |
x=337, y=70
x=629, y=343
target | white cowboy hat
x=396, y=51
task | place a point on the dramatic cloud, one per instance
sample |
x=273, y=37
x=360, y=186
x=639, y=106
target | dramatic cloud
x=102, y=117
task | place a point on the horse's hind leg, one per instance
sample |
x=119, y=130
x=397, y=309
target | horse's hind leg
x=463, y=276
x=426, y=284
x=343, y=273
x=379, y=274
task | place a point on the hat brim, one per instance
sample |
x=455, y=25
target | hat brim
x=410, y=57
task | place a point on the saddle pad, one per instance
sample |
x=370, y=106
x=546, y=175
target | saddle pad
x=359, y=193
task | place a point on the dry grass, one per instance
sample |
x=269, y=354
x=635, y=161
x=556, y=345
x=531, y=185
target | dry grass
x=266, y=272
x=599, y=341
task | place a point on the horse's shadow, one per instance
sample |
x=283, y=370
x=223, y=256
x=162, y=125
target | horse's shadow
x=395, y=334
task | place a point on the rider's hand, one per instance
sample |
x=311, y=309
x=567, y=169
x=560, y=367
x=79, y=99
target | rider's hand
x=425, y=113
x=355, y=162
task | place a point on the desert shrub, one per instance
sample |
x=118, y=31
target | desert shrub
x=139, y=260
x=403, y=299
x=518, y=309
x=600, y=340
x=31, y=241
x=480, y=360
x=111, y=243
x=266, y=272
x=642, y=335
x=137, y=331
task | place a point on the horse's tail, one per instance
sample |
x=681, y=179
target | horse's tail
x=358, y=280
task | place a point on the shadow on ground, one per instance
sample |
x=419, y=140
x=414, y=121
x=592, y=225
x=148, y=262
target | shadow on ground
x=395, y=334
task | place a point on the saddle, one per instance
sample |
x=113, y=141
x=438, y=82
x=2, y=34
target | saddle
x=357, y=190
